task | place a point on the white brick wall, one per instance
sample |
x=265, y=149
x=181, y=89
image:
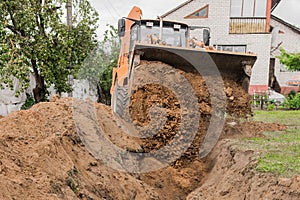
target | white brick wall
x=82, y=89
x=9, y=102
x=218, y=20
x=290, y=41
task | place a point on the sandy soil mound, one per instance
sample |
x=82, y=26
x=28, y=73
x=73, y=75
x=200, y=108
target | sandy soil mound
x=41, y=157
x=237, y=129
x=44, y=154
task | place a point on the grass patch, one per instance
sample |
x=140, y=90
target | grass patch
x=288, y=117
x=279, y=151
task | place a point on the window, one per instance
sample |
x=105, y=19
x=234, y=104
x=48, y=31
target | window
x=133, y=36
x=232, y=48
x=236, y=7
x=169, y=35
x=248, y=8
x=200, y=13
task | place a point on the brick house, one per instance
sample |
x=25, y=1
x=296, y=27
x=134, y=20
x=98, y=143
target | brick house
x=287, y=36
x=236, y=25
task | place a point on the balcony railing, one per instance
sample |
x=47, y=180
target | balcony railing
x=245, y=25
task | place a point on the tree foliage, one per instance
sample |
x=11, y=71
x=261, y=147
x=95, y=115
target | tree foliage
x=34, y=38
x=290, y=60
x=98, y=66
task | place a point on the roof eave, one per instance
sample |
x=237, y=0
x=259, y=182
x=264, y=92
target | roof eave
x=275, y=3
x=294, y=28
x=175, y=9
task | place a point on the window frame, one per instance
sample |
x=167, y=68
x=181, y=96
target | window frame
x=191, y=16
x=233, y=46
x=242, y=10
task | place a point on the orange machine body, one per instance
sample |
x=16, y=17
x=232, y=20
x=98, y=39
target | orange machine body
x=120, y=72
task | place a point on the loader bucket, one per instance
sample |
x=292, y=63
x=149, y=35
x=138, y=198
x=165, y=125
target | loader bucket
x=229, y=64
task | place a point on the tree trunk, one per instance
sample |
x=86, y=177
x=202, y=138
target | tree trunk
x=101, y=97
x=40, y=91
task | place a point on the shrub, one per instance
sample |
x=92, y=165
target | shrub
x=292, y=101
x=28, y=103
x=271, y=106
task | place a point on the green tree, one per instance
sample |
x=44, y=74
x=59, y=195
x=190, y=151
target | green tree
x=97, y=68
x=290, y=60
x=34, y=38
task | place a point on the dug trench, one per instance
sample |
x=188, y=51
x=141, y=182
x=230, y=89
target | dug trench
x=183, y=176
x=44, y=156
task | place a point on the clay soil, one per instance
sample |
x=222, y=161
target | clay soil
x=43, y=154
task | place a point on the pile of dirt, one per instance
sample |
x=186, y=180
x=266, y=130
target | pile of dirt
x=243, y=129
x=43, y=157
x=45, y=154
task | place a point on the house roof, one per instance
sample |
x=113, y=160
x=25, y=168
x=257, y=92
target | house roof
x=294, y=28
x=274, y=5
x=175, y=9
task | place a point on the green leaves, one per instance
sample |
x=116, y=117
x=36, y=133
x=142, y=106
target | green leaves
x=98, y=66
x=292, y=60
x=34, y=37
x=292, y=101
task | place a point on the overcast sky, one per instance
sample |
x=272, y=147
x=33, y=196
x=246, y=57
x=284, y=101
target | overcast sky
x=111, y=10
x=289, y=10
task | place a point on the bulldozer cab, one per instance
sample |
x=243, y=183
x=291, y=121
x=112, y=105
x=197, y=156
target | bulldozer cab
x=169, y=33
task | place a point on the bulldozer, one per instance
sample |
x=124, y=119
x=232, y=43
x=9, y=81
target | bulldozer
x=170, y=43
